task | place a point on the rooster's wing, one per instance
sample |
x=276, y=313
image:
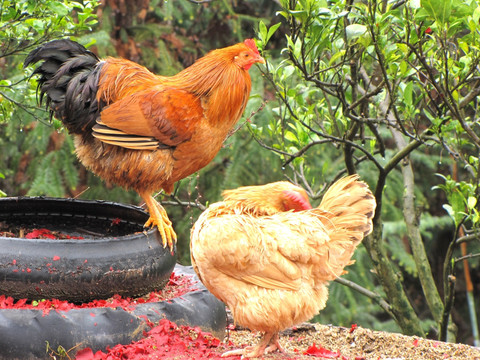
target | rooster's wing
x=155, y=118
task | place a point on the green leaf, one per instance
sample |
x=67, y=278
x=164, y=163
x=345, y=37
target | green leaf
x=403, y=48
x=440, y=10
x=408, y=94
x=456, y=200
x=288, y=71
x=9, y=14
x=272, y=30
x=335, y=56
x=471, y=202
x=262, y=31
x=461, y=10
x=355, y=30
x=449, y=210
x=290, y=136
x=58, y=8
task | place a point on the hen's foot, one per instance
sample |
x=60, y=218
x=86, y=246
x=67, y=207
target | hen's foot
x=248, y=352
x=159, y=218
x=269, y=343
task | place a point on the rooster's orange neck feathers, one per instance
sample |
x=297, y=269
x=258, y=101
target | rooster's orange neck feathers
x=218, y=76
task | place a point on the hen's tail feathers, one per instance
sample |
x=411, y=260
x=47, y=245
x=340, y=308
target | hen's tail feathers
x=68, y=79
x=349, y=206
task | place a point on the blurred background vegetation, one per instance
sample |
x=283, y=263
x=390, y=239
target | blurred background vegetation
x=385, y=89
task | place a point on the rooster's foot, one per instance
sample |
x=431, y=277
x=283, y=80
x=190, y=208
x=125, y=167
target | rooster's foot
x=159, y=218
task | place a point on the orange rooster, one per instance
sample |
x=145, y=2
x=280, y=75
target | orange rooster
x=139, y=130
x=269, y=256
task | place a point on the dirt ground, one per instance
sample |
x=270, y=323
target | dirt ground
x=357, y=344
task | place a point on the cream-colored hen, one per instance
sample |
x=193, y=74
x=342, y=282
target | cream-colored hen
x=271, y=265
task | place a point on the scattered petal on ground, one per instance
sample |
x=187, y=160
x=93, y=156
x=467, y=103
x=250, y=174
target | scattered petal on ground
x=164, y=341
x=178, y=285
x=321, y=352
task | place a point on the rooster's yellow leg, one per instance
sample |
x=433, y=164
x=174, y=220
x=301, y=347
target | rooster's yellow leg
x=268, y=339
x=159, y=218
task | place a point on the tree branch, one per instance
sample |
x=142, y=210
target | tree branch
x=370, y=294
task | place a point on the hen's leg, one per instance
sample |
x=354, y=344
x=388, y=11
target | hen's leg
x=274, y=344
x=159, y=218
x=268, y=339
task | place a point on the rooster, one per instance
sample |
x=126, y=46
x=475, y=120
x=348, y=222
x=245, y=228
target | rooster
x=139, y=130
x=269, y=256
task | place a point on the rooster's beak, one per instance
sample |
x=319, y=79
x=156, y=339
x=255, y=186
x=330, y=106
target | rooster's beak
x=260, y=59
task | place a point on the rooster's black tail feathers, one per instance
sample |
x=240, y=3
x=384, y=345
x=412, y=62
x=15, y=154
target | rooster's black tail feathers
x=68, y=79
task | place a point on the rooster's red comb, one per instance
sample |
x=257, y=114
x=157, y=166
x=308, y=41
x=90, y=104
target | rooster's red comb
x=251, y=44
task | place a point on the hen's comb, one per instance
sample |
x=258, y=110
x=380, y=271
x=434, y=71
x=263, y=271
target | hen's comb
x=251, y=44
x=296, y=201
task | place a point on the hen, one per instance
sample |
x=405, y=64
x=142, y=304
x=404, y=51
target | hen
x=269, y=256
x=139, y=130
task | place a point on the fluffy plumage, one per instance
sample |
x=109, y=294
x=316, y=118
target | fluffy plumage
x=271, y=265
x=140, y=130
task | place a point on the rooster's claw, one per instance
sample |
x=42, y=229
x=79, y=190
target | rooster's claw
x=168, y=235
x=159, y=218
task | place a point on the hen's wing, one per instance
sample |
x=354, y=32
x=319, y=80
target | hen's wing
x=271, y=252
x=154, y=118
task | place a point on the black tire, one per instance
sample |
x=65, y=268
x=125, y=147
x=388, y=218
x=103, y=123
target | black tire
x=24, y=334
x=115, y=255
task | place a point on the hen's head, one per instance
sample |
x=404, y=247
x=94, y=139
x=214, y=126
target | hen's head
x=244, y=55
x=268, y=199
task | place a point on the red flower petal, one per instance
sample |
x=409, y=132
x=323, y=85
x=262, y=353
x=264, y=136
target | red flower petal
x=321, y=352
x=40, y=234
x=85, y=354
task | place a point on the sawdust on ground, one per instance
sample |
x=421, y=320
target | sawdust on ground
x=357, y=344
